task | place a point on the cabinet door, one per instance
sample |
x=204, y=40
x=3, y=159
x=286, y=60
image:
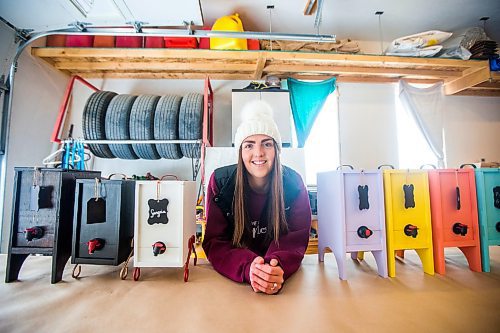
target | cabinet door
x=491, y=189
x=450, y=213
x=355, y=217
x=412, y=207
x=99, y=220
x=36, y=207
x=278, y=100
x=151, y=224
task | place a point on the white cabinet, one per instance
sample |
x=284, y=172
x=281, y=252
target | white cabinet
x=164, y=213
x=279, y=100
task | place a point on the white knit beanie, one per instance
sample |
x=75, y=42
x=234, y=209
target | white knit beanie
x=257, y=118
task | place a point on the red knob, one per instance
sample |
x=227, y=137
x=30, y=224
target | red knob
x=364, y=232
x=33, y=233
x=159, y=248
x=460, y=229
x=95, y=244
x=411, y=230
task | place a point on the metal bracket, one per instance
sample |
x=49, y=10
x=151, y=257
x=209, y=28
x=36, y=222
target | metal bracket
x=189, y=27
x=22, y=35
x=3, y=84
x=80, y=26
x=137, y=25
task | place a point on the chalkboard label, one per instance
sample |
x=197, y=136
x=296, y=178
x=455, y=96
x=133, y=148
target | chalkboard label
x=158, y=211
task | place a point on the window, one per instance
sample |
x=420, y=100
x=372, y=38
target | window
x=322, y=146
x=413, y=149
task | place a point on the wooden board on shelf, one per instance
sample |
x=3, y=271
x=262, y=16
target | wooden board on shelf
x=457, y=75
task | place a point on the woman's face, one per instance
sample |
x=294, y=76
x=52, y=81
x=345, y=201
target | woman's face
x=257, y=153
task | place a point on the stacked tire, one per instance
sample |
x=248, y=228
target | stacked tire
x=109, y=116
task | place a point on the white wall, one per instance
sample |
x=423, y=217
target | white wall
x=367, y=119
x=38, y=90
x=472, y=129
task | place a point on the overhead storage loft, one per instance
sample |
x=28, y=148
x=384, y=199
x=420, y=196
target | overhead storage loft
x=467, y=77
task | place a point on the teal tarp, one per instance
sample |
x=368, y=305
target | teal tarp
x=306, y=100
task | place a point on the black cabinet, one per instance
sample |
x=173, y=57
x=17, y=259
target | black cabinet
x=103, y=224
x=42, y=217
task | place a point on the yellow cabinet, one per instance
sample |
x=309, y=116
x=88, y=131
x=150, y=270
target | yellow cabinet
x=408, y=216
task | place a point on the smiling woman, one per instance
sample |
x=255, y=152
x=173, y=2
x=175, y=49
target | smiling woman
x=258, y=213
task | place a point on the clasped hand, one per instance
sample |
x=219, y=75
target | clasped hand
x=266, y=278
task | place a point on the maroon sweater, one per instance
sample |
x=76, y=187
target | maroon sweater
x=234, y=262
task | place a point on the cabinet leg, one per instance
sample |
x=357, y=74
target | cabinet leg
x=340, y=258
x=485, y=255
x=439, y=260
x=381, y=260
x=391, y=263
x=58, y=263
x=14, y=264
x=473, y=256
x=426, y=256
x=321, y=252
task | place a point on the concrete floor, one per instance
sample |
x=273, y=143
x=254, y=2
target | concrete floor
x=313, y=300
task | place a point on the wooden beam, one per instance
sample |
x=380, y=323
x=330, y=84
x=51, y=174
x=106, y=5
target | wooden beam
x=143, y=53
x=354, y=70
x=471, y=78
x=458, y=75
x=310, y=7
x=150, y=65
x=357, y=79
x=384, y=61
x=166, y=75
x=261, y=62
x=479, y=92
x=309, y=57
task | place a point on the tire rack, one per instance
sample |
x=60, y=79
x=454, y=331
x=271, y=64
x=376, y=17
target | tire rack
x=207, y=123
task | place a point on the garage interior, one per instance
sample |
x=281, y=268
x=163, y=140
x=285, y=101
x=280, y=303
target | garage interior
x=364, y=124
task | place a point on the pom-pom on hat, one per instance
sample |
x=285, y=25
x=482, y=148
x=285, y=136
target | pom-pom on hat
x=257, y=118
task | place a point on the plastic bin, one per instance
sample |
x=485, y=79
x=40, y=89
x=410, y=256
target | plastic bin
x=154, y=42
x=181, y=42
x=129, y=41
x=79, y=41
x=56, y=41
x=104, y=41
x=228, y=23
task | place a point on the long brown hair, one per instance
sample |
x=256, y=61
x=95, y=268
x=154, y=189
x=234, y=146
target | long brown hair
x=275, y=207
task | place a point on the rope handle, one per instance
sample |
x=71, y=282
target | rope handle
x=124, y=270
x=124, y=176
x=431, y=165
x=386, y=165
x=47, y=160
x=168, y=175
x=75, y=274
x=345, y=165
x=465, y=164
x=97, y=188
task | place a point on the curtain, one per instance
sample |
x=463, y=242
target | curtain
x=425, y=107
x=306, y=100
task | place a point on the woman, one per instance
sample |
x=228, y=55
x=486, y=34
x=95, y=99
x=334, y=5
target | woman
x=258, y=213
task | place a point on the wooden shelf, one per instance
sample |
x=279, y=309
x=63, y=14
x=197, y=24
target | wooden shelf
x=464, y=76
